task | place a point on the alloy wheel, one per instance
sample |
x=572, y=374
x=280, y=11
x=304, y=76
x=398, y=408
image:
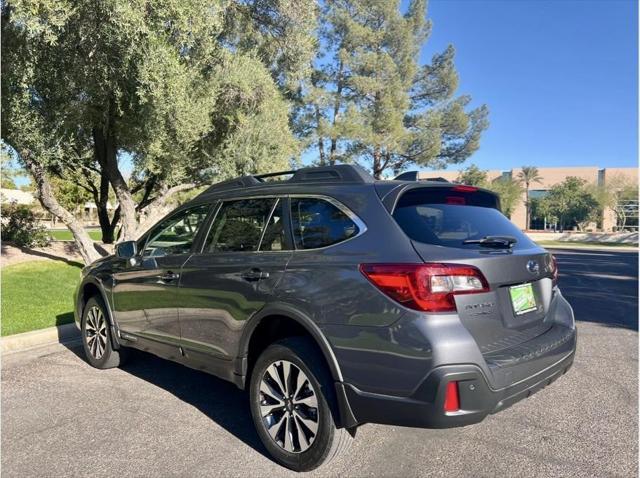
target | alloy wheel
x=96, y=332
x=289, y=406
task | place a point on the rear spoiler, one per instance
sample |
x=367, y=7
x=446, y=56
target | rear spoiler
x=391, y=198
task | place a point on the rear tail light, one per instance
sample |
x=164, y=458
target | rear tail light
x=452, y=398
x=554, y=270
x=427, y=287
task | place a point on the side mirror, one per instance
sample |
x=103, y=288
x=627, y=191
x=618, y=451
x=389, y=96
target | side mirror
x=127, y=249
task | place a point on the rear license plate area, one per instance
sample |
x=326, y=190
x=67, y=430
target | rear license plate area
x=523, y=300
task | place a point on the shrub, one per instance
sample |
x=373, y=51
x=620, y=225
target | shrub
x=20, y=227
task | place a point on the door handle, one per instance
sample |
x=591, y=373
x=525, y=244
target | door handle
x=254, y=274
x=169, y=276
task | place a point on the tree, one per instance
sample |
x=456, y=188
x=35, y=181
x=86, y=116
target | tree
x=8, y=182
x=508, y=189
x=168, y=82
x=473, y=176
x=528, y=175
x=571, y=202
x=7, y=168
x=70, y=195
x=510, y=192
x=369, y=100
x=618, y=194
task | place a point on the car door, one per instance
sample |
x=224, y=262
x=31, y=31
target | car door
x=145, y=292
x=243, y=257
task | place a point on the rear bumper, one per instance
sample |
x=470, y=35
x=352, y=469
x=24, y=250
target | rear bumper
x=425, y=408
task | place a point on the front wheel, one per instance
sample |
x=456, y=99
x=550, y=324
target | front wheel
x=96, y=336
x=293, y=405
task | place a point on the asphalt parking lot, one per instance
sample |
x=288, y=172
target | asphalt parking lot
x=60, y=417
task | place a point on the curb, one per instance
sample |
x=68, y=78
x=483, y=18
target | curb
x=62, y=334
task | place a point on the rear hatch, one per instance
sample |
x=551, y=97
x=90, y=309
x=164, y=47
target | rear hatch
x=462, y=224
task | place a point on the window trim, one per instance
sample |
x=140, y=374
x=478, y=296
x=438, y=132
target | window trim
x=362, y=227
x=200, y=249
x=289, y=242
x=186, y=207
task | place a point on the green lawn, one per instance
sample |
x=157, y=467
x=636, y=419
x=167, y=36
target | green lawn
x=585, y=244
x=37, y=294
x=65, y=234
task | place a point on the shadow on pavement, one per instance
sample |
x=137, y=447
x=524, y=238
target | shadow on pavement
x=217, y=399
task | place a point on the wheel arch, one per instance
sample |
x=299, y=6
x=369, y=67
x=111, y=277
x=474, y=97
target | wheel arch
x=90, y=288
x=286, y=313
x=344, y=415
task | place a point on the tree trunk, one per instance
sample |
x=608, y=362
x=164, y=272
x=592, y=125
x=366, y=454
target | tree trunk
x=114, y=222
x=106, y=152
x=49, y=202
x=336, y=109
x=377, y=160
x=527, y=209
x=320, y=139
x=103, y=213
x=321, y=151
x=100, y=198
x=159, y=207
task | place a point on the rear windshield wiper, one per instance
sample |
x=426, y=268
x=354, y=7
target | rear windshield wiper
x=499, y=242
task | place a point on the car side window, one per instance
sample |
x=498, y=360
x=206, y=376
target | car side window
x=238, y=225
x=176, y=234
x=318, y=223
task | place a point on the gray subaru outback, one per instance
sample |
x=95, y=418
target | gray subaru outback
x=338, y=300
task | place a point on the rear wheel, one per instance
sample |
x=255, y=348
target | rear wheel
x=293, y=405
x=96, y=336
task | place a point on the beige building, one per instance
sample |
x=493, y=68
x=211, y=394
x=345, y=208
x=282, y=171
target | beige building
x=552, y=176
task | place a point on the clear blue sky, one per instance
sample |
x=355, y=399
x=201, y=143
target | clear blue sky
x=559, y=77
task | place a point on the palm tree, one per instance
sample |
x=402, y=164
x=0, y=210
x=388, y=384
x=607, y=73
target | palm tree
x=528, y=176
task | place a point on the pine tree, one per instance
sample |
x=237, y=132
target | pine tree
x=369, y=100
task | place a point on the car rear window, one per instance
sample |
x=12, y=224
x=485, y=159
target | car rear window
x=450, y=216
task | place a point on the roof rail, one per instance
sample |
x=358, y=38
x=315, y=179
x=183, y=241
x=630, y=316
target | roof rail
x=260, y=177
x=340, y=173
x=237, y=183
x=414, y=176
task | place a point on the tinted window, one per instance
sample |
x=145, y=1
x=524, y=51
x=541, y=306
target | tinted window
x=318, y=223
x=176, y=234
x=274, y=234
x=238, y=225
x=446, y=217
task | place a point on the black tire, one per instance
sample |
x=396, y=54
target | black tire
x=329, y=441
x=98, y=348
